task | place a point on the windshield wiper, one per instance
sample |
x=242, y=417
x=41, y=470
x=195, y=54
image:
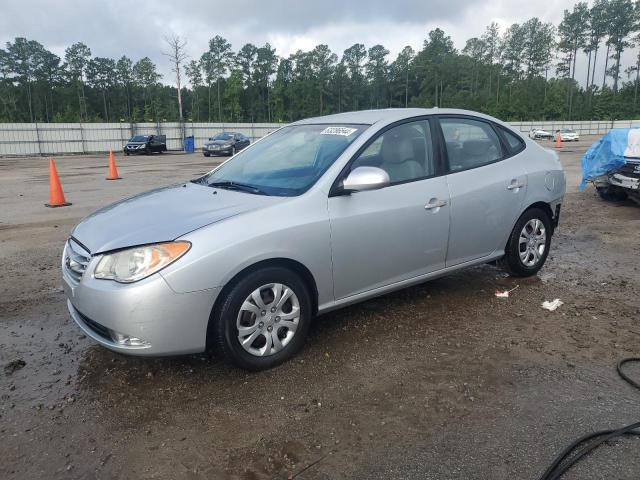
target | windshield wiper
x=243, y=187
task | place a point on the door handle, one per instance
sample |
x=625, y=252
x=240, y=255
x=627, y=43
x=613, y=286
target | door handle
x=514, y=185
x=434, y=203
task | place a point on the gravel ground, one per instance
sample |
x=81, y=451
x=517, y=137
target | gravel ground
x=439, y=381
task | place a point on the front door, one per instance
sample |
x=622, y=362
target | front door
x=398, y=232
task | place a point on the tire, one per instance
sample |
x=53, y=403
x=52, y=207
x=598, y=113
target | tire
x=513, y=261
x=611, y=194
x=233, y=151
x=126, y=153
x=225, y=320
x=206, y=154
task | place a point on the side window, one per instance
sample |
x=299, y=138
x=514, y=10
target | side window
x=373, y=150
x=515, y=143
x=405, y=152
x=470, y=143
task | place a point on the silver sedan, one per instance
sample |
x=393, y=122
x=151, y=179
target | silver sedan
x=320, y=214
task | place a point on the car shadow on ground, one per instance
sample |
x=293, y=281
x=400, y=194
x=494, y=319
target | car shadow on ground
x=433, y=304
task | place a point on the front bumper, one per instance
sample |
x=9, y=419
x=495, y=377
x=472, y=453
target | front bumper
x=170, y=323
x=219, y=151
x=134, y=150
x=625, y=181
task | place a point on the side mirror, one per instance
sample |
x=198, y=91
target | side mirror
x=365, y=178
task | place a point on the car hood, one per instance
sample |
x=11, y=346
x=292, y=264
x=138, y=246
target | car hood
x=222, y=143
x=163, y=215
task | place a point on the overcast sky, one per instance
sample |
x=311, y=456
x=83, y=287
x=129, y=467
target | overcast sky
x=113, y=28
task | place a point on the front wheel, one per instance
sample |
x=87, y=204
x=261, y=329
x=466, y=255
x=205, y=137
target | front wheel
x=528, y=245
x=264, y=319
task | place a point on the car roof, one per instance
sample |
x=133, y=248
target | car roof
x=387, y=115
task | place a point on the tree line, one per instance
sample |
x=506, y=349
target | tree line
x=524, y=72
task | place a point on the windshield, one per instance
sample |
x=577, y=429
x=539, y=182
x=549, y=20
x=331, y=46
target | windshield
x=139, y=138
x=289, y=161
x=568, y=131
x=222, y=136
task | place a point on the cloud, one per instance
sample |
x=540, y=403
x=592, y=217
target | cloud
x=113, y=28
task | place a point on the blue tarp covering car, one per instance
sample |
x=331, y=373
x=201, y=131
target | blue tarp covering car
x=612, y=164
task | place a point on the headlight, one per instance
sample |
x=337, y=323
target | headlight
x=133, y=264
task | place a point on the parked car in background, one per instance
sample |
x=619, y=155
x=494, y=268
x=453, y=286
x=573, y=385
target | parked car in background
x=146, y=144
x=320, y=214
x=225, y=143
x=539, y=134
x=568, y=135
x=612, y=164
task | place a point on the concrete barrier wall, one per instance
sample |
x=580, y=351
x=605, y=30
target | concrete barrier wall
x=18, y=139
x=594, y=127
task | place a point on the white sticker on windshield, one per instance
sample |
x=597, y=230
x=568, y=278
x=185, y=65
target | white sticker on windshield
x=343, y=131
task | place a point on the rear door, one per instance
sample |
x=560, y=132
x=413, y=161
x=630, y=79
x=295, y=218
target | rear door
x=487, y=185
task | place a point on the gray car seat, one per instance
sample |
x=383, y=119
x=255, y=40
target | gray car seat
x=398, y=156
x=477, y=152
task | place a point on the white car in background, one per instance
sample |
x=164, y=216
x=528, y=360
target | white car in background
x=538, y=133
x=568, y=135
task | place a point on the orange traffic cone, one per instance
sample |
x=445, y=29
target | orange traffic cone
x=558, y=141
x=56, y=195
x=113, y=171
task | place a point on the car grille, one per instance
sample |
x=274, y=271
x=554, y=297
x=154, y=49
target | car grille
x=631, y=168
x=95, y=327
x=76, y=260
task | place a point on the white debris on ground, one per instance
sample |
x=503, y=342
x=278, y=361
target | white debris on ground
x=506, y=293
x=552, y=306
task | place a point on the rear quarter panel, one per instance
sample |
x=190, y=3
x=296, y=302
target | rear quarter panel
x=545, y=176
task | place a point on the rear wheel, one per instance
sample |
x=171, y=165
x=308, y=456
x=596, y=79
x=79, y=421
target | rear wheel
x=528, y=245
x=264, y=319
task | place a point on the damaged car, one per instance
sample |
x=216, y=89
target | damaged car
x=612, y=164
